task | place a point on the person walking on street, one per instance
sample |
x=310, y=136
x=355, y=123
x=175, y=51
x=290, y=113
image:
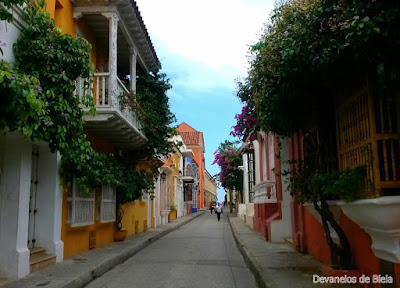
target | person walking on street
x=218, y=211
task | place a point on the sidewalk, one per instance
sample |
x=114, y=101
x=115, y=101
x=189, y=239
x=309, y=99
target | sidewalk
x=276, y=265
x=77, y=271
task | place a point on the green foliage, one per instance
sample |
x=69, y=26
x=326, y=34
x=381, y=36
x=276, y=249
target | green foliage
x=24, y=109
x=8, y=4
x=341, y=185
x=39, y=101
x=155, y=115
x=56, y=60
x=311, y=45
x=310, y=185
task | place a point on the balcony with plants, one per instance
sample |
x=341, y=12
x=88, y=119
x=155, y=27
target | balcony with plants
x=118, y=28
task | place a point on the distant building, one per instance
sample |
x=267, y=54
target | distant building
x=210, y=189
x=194, y=140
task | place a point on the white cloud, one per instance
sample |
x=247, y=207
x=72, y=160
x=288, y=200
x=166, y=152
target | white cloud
x=198, y=77
x=214, y=32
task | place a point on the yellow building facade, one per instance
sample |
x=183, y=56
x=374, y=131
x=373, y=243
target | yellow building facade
x=210, y=189
x=88, y=21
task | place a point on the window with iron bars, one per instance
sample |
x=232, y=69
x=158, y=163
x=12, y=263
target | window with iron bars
x=251, y=175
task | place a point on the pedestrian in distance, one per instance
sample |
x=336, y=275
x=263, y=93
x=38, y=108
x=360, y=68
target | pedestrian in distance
x=218, y=211
x=211, y=207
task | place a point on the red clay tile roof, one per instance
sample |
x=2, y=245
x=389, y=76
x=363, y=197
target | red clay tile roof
x=192, y=138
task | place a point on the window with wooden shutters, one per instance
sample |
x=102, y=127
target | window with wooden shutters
x=80, y=207
x=108, y=204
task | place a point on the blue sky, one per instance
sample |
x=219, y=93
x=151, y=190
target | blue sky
x=203, y=47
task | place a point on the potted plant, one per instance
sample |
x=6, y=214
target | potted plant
x=119, y=234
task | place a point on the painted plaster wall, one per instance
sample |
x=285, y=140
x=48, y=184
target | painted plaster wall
x=315, y=242
x=282, y=227
x=151, y=220
x=15, y=191
x=360, y=243
x=198, y=158
x=9, y=35
x=249, y=217
x=62, y=13
x=49, y=203
x=262, y=212
x=135, y=217
x=76, y=239
x=242, y=212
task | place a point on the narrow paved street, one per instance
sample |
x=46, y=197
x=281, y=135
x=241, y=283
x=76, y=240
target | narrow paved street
x=201, y=253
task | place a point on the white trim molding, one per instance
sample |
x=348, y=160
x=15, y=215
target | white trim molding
x=261, y=194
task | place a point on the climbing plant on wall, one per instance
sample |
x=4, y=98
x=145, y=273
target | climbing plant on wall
x=39, y=101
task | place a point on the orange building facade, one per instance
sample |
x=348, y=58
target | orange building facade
x=194, y=140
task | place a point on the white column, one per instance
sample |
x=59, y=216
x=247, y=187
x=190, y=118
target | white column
x=16, y=181
x=257, y=160
x=49, y=203
x=157, y=207
x=132, y=63
x=112, y=56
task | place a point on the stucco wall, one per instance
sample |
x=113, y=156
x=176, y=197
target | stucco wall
x=360, y=243
x=135, y=217
x=76, y=239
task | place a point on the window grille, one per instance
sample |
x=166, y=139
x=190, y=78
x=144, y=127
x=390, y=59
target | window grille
x=80, y=207
x=251, y=175
x=108, y=204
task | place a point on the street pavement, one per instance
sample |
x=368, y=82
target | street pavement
x=203, y=253
x=192, y=251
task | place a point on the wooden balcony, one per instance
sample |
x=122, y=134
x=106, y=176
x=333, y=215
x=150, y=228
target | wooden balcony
x=113, y=122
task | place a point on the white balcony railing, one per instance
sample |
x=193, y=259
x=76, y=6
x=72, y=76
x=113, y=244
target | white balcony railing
x=265, y=192
x=104, y=99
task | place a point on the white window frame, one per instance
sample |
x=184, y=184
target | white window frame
x=107, y=200
x=75, y=197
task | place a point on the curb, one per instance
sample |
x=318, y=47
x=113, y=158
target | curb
x=85, y=277
x=251, y=263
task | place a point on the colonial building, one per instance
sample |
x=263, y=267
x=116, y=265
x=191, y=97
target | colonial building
x=367, y=133
x=194, y=140
x=38, y=222
x=210, y=189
